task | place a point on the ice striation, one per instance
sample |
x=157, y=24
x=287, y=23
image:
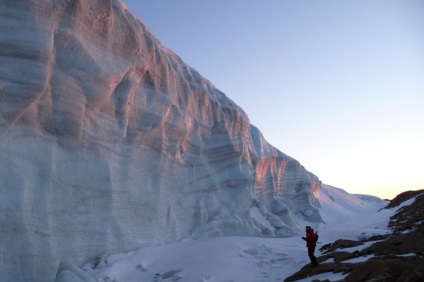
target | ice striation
x=109, y=141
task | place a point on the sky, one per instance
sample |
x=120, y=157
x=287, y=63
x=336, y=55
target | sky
x=337, y=85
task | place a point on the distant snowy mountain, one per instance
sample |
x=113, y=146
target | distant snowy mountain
x=340, y=210
x=368, y=198
x=109, y=142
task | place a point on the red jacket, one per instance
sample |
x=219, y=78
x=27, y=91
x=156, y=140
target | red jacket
x=311, y=238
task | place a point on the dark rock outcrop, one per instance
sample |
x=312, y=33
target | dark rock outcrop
x=343, y=244
x=397, y=269
x=399, y=199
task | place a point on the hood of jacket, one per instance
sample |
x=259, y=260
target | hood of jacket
x=310, y=231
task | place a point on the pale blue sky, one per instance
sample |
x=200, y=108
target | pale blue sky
x=338, y=85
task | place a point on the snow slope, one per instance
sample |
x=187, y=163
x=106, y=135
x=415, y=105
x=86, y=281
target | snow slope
x=246, y=259
x=109, y=142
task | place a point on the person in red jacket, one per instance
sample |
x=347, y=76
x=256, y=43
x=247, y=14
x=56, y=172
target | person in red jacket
x=311, y=240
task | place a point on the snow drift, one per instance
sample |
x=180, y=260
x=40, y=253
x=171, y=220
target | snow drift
x=109, y=141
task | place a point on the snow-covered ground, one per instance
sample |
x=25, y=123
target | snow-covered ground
x=247, y=258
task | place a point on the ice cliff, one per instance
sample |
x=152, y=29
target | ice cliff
x=109, y=141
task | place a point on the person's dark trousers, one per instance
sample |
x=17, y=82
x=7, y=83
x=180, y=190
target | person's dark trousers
x=313, y=259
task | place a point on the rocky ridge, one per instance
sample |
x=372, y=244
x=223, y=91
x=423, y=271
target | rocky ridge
x=397, y=257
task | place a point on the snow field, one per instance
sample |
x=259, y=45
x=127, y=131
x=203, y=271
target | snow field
x=249, y=259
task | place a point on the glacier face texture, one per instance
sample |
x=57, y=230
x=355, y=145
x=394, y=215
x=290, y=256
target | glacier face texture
x=109, y=141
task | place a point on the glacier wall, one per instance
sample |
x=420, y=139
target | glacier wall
x=109, y=141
